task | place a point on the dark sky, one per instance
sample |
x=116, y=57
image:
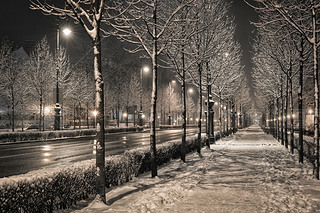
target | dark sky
x=19, y=23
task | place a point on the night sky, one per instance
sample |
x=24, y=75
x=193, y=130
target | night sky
x=19, y=23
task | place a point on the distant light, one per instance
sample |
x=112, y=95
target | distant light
x=46, y=148
x=226, y=54
x=256, y=114
x=288, y=116
x=95, y=113
x=293, y=115
x=46, y=110
x=146, y=69
x=216, y=103
x=190, y=90
x=143, y=116
x=125, y=115
x=310, y=111
x=67, y=31
x=173, y=81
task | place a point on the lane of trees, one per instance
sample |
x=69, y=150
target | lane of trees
x=286, y=74
x=194, y=39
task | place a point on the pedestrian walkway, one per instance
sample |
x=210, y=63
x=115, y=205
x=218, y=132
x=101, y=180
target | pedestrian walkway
x=245, y=172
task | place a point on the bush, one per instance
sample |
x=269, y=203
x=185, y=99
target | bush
x=60, y=188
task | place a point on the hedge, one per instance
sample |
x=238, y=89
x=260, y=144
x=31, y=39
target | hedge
x=50, y=189
x=38, y=135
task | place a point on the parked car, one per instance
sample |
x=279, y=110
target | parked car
x=33, y=127
x=67, y=126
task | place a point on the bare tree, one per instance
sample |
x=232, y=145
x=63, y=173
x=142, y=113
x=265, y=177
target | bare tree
x=11, y=67
x=303, y=18
x=40, y=74
x=89, y=15
x=148, y=25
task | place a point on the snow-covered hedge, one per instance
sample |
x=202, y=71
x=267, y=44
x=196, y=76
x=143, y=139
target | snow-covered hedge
x=46, y=190
x=37, y=135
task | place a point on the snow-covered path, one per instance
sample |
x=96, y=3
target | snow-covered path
x=246, y=172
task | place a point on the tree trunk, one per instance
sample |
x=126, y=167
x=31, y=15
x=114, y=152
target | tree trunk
x=100, y=146
x=200, y=110
x=74, y=116
x=227, y=115
x=118, y=114
x=87, y=115
x=40, y=116
x=316, y=90
x=286, y=115
x=184, y=113
x=278, y=121
x=281, y=113
x=300, y=101
x=79, y=115
x=153, y=148
x=12, y=109
x=220, y=116
x=233, y=117
x=291, y=119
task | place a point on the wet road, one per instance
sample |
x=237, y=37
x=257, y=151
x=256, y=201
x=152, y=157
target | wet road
x=20, y=158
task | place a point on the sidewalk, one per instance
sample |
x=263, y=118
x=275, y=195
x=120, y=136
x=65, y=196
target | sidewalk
x=246, y=172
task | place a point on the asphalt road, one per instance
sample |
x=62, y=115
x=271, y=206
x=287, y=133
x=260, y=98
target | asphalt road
x=20, y=158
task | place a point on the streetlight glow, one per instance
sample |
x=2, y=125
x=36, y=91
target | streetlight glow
x=67, y=31
x=95, y=113
x=46, y=110
x=146, y=69
x=310, y=111
x=190, y=90
x=125, y=115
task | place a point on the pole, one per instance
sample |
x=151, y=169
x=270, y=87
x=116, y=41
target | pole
x=57, y=106
x=140, y=113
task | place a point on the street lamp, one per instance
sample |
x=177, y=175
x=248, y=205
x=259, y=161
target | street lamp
x=141, y=116
x=57, y=108
x=170, y=98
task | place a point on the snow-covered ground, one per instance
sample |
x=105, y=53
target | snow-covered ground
x=246, y=172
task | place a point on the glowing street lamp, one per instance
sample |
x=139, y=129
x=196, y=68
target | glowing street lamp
x=57, y=108
x=310, y=111
x=66, y=31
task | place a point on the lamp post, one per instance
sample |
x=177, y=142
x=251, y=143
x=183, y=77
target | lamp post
x=141, y=115
x=170, y=98
x=57, y=108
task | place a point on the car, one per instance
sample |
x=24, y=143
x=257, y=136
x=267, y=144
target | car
x=33, y=127
x=67, y=126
